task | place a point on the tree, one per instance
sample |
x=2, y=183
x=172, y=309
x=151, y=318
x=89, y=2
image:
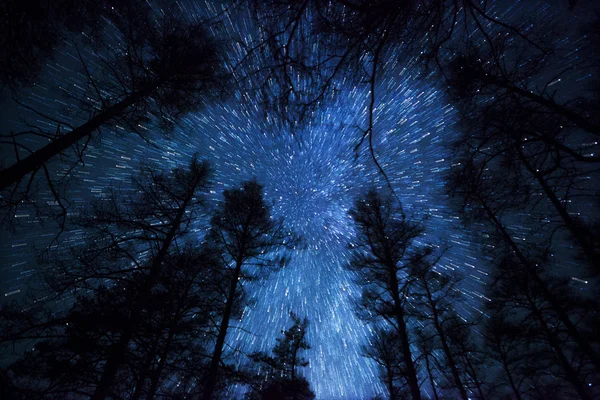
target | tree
x=434, y=294
x=313, y=47
x=384, y=348
x=282, y=378
x=551, y=316
x=163, y=68
x=515, y=126
x=123, y=279
x=547, y=345
x=380, y=257
x=511, y=349
x=168, y=342
x=249, y=241
x=487, y=198
x=30, y=33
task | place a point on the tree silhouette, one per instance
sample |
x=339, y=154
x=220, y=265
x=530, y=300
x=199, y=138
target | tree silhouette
x=119, y=275
x=282, y=379
x=552, y=351
x=515, y=126
x=31, y=30
x=168, y=342
x=354, y=41
x=506, y=344
x=557, y=317
x=249, y=240
x=485, y=197
x=384, y=348
x=380, y=257
x=434, y=295
x=165, y=67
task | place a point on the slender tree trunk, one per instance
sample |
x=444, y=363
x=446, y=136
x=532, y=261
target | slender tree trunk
x=211, y=378
x=476, y=380
x=411, y=371
x=118, y=355
x=581, y=236
x=505, y=367
x=572, y=330
x=32, y=163
x=451, y=362
x=431, y=381
x=513, y=386
x=145, y=367
x=155, y=376
x=445, y=346
x=572, y=375
x=390, y=381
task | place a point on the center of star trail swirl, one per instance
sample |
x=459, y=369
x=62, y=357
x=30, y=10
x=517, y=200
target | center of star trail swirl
x=312, y=178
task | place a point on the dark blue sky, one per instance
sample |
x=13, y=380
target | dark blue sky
x=311, y=179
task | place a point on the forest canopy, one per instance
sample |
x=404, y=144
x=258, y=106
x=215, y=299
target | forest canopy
x=299, y=199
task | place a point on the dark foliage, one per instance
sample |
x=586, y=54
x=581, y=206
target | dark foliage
x=280, y=378
x=250, y=243
x=164, y=68
x=133, y=316
x=381, y=258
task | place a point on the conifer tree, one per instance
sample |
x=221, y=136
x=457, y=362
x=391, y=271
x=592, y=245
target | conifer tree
x=250, y=242
x=381, y=259
x=282, y=379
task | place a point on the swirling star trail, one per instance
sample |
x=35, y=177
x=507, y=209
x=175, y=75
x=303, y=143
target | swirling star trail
x=311, y=177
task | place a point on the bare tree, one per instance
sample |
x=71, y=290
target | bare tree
x=553, y=352
x=558, y=315
x=163, y=68
x=129, y=267
x=515, y=126
x=434, y=295
x=507, y=344
x=313, y=47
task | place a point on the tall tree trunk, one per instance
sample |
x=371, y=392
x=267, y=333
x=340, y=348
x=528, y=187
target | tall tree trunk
x=411, y=371
x=162, y=355
x=32, y=163
x=390, y=381
x=143, y=374
x=430, y=375
x=450, y=360
x=581, y=235
x=445, y=346
x=505, y=366
x=118, y=355
x=211, y=377
x=572, y=330
x=475, y=379
x=572, y=375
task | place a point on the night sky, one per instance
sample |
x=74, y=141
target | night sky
x=311, y=176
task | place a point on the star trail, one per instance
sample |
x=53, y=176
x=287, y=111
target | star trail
x=311, y=176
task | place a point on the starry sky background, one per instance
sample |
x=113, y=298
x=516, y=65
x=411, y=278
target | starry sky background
x=310, y=177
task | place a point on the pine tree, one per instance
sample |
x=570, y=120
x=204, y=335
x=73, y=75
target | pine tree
x=283, y=380
x=380, y=257
x=250, y=242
